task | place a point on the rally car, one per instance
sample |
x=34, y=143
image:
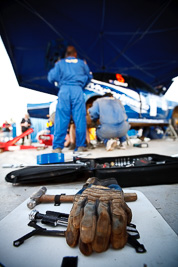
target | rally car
x=144, y=105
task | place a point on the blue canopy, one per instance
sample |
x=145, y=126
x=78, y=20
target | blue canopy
x=138, y=38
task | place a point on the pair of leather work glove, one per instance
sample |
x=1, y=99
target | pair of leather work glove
x=99, y=217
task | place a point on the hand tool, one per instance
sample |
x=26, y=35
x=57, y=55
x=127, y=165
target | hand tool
x=133, y=235
x=51, y=217
x=40, y=197
x=142, y=145
x=38, y=231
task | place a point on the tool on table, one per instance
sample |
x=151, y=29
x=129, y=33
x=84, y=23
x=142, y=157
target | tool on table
x=131, y=230
x=38, y=231
x=41, y=197
x=51, y=217
x=132, y=239
x=133, y=236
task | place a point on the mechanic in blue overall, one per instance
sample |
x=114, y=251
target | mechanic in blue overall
x=72, y=75
x=113, y=121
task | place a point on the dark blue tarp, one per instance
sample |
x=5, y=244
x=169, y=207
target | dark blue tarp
x=138, y=37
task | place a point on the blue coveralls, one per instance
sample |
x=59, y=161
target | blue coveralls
x=72, y=75
x=112, y=116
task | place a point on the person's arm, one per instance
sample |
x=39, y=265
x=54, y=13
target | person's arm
x=94, y=111
x=53, y=74
x=88, y=72
x=29, y=123
x=22, y=122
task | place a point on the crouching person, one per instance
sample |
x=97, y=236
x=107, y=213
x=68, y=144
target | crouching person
x=113, y=121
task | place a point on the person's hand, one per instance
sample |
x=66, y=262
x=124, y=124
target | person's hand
x=98, y=218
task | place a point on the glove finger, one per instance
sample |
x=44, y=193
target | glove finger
x=85, y=248
x=118, y=228
x=72, y=234
x=128, y=212
x=88, y=223
x=103, y=229
x=78, y=212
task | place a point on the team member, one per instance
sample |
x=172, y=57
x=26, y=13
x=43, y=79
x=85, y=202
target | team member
x=71, y=74
x=112, y=117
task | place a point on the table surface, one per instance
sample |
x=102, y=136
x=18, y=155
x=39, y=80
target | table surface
x=159, y=239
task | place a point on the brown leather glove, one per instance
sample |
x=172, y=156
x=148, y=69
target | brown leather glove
x=98, y=218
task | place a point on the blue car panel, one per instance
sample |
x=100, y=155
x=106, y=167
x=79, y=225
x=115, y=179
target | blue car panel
x=143, y=104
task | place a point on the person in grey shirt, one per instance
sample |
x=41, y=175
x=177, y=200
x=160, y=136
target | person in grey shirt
x=113, y=121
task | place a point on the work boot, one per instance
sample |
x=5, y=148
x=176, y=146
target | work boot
x=90, y=146
x=71, y=146
x=111, y=144
x=122, y=145
x=57, y=150
x=82, y=149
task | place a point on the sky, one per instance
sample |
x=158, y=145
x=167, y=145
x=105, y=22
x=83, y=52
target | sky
x=14, y=99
